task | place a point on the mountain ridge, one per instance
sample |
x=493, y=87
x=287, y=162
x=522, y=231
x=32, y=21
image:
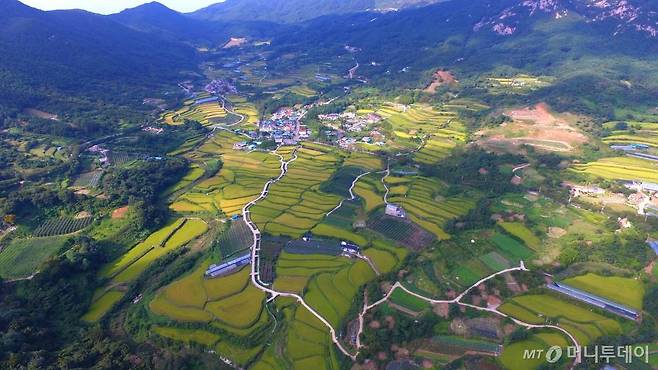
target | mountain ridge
x=294, y=11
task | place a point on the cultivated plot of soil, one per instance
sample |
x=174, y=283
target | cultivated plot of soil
x=535, y=126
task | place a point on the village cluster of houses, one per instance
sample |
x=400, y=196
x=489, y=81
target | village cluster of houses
x=348, y=129
x=221, y=87
x=284, y=127
x=644, y=198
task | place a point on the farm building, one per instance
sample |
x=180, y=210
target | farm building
x=228, y=267
x=612, y=307
x=350, y=249
x=629, y=147
x=649, y=186
x=395, y=210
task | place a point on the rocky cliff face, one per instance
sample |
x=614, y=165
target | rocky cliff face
x=625, y=15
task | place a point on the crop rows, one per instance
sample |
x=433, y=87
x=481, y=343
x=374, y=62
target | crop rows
x=62, y=226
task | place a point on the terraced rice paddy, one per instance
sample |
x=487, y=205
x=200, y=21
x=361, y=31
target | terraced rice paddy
x=371, y=191
x=295, y=204
x=408, y=301
x=133, y=263
x=206, y=113
x=511, y=248
x=228, y=304
x=240, y=180
x=419, y=198
x=194, y=174
x=642, y=133
x=620, y=168
x=539, y=340
x=329, y=283
x=581, y=322
x=332, y=293
x=627, y=291
x=365, y=161
x=419, y=126
x=307, y=345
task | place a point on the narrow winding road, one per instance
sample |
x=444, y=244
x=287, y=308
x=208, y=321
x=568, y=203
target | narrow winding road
x=255, y=250
x=351, y=190
x=258, y=283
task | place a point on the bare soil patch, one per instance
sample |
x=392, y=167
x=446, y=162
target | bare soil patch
x=440, y=78
x=41, y=114
x=119, y=213
x=235, y=42
x=83, y=214
x=536, y=126
x=556, y=232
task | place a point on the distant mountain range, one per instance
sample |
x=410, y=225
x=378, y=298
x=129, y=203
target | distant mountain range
x=156, y=18
x=291, y=11
x=149, y=44
x=76, y=50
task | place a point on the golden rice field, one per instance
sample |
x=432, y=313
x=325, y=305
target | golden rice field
x=295, y=204
x=206, y=114
x=422, y=127
x=371, y=190
x=620, y=168
x=240, y=180
x=366, y=161
x=418, y=196
x=133, y=263
x=229, y=303
x=306, y=345
x=329, y=283
x=638, y=133
x=579, y=320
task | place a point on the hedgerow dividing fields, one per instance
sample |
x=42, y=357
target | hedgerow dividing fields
x=296, y=204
